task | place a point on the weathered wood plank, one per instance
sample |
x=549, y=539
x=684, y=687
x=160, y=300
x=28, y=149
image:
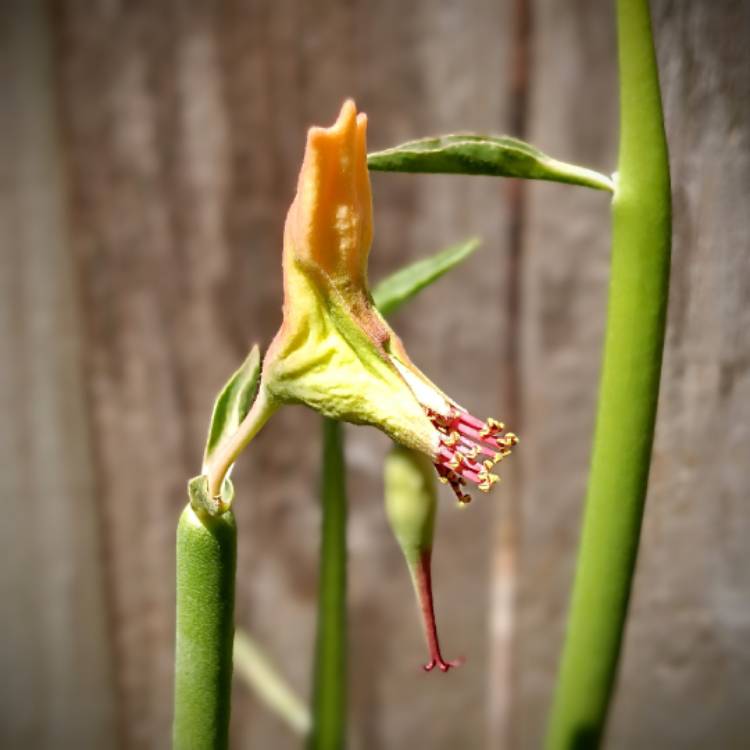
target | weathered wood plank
x=566, y=261
x=55, y=659
x=185, y=125
x=681, y=683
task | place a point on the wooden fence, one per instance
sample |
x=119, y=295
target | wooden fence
x=148, y=152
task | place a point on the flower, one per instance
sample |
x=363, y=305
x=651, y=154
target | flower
x=334, y=351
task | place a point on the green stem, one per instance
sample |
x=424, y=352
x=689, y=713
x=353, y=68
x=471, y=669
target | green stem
x=329, y=690
x=628, y=396
x=206, y=562
x=226, y=453
x=254, y=666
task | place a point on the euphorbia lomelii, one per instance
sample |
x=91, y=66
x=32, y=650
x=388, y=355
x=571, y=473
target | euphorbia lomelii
x=334, y=351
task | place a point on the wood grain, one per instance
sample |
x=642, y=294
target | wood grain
x=55, y=656
x=136, y=274
x=680, y=684
x=185, y=124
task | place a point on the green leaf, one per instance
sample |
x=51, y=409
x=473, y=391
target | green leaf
x=234, y=402
x=255, y=667
x=407, y=282
x=497, y=156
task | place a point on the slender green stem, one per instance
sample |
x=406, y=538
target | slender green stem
x=206, y=562
x=329, y=689
x=628, y=396
x=219, y=464
x=266, y=681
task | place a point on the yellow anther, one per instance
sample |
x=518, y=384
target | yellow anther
x=487, y=481
x=491, y=427
x=457, y=460
x=452, y=439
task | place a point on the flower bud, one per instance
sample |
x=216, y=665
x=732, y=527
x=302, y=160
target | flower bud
x=411, y=504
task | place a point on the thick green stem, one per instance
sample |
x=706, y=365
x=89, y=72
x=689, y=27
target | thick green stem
x=206, y=563
x=627, y=399
x=329, y=689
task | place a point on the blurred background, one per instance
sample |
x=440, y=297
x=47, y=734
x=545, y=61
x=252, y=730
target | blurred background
x=148, y=153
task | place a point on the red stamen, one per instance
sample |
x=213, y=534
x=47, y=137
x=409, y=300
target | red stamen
x=457, y=461
x=481, y=448
x=475, y=435
x=463, y=439
x=456, y=483
x=470, y=420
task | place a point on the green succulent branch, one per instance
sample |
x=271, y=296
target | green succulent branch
x=627, y=399
x=206, y=562
x=329, y=680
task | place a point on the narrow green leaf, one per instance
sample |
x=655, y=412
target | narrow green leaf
x=407, y=282
x=255, y=667
x=497, y=156
x=234, y=402
x=329, y=681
